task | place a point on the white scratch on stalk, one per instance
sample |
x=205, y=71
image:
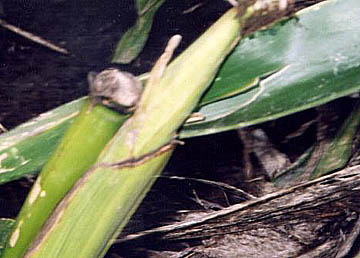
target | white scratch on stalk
x=35, y=191
x=15, y=235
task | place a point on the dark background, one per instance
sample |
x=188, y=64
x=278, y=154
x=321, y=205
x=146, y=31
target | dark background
x=34, y=79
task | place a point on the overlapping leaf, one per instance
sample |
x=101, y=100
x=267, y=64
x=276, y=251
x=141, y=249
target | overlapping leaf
x=300, y=63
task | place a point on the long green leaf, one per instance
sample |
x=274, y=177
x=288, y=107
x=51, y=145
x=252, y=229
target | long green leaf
x=311, y=59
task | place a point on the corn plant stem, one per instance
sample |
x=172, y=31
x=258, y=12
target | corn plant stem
x=96, y=209
x=77, y=151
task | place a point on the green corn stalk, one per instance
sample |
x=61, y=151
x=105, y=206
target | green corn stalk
x=99, y=205
x=78, y=150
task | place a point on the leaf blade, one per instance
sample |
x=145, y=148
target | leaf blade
x=303, y=78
